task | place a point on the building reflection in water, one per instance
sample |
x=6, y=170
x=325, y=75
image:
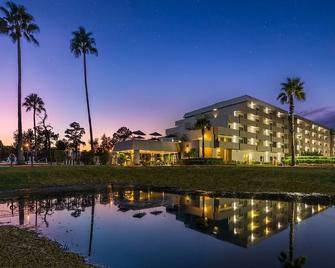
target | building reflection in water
x=244, y=222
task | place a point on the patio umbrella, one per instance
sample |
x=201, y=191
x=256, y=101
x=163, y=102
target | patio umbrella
x=138, y=132
x=138, y=138
x=155, y=134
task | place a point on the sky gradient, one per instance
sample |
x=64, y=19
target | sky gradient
x=160, y=59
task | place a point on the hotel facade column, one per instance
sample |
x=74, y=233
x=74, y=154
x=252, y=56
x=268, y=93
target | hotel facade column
x=136, y=157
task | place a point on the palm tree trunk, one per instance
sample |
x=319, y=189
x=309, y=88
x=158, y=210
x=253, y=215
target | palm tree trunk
x=88, y=105
x=291, y=241
x=91, y=227
x=35, y=142
x=291, y=123
x=19, y=112
x=203, y=142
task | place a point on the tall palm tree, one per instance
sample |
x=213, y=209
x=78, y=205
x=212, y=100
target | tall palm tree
x=34, y=103
x=17, y=23
x=292, y=89
x=82, y=43
x=204, y=124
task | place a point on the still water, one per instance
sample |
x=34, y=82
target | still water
x=120, y=227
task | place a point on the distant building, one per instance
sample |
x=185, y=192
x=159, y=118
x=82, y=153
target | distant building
x=246, y=129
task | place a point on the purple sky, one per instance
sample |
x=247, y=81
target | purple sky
x=160, y=59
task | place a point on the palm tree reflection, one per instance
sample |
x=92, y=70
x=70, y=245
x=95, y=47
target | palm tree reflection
x=287, y=259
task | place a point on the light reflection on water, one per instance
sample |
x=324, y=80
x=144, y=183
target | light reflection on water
x=172, y=230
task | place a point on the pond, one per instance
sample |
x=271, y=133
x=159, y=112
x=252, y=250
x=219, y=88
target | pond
x=125, y=227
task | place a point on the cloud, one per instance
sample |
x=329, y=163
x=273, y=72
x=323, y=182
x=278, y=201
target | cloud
x=313, y=112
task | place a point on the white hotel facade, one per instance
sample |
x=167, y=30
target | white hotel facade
x=246, y=129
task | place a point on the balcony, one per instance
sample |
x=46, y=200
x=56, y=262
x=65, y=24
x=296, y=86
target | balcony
x=277, y=150
x=247, y=147
x=246, y=134
x=228, y=131
x=262, y=148
x=229, y=145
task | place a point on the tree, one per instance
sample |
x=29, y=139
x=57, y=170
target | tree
x=106, y=143
x=82, y=43
x=61, y=145
x=203, y=123
x=27, y=140
x=47, y=136
x=74, y=135
x=17, y=23
x=292, y=89
x=34, y=103
x=124, y=133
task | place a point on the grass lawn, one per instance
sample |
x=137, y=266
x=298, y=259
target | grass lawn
x=22, y=248
x=211, y=178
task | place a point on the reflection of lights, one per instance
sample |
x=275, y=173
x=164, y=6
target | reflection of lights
x=312, y=210
x=279, y=205
x=252, y=237
x=234, y=206
x=306, y=206
x=298, y=219
x=279, y=225
x=235, y=231
x=298, y=209
x=267, y=220
x=252, y=202
x=234, y=219
x=252, y=213
x=252, y=226
x=319, y=208
x=267, y=230
x=267, y=209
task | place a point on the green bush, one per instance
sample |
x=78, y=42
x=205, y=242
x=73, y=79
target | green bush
x=59, y=156
x=104, y=157
x=202, y=161
x=311, y=160
x=121, y=159
x=87, y=157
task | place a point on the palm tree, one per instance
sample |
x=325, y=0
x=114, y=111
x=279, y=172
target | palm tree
x=204, y=124
x=292, y=89
x=83, y=43
x=34, y=103
x=17, y=23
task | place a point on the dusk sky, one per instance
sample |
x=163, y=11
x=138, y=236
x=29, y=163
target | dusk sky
x=159, y=59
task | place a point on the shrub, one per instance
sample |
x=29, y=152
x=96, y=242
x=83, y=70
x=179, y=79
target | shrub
x=121, y=159
x=104, y=157
x=87, y=157
x=311, y=160
x=59, y=156
x=202, y=161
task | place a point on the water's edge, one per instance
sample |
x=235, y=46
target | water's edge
x=280, y=196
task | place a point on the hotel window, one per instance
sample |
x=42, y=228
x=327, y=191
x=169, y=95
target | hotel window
x=252, y=105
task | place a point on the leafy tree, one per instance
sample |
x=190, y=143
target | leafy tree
x=82, y=43
x=34, y=103
x=123, y=133
x=292, y=89
x=5, y=151
x=17, y=23
x=74, y=135
x=62, y=145
x=106, y=143
x=203, y=123
x=47, y=136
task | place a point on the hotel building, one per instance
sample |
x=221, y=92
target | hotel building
x=246, y=129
